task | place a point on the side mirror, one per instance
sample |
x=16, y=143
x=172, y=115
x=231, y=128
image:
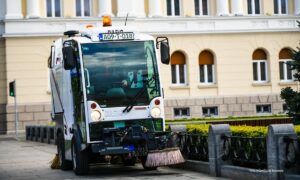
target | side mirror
x=69, y=58
x=165, y=52
x=164, y=49
x=50, y=59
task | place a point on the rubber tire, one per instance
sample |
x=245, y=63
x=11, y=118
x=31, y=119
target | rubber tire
x=81, y=164
x=143, y=160
x=129, y=162
x=64, y=164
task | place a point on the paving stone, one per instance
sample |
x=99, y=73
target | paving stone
x=34, y=108
x=263, y=99
x=47, y=108
x=254, y=99
x=168, y=110
x=26, y=116
x=272, y=98
x=200, y=102
x=223, y=108
x=11, y=109
x=243, y=100
x=277, y=106
x=42, y=116
x=209, y=101
x=234, y=107
x=190, y=102
x=279, y=99
x=219, y=101
x=247, y=107
x=230, y=100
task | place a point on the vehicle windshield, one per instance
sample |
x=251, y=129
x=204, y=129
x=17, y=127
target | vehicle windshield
x=119, y=74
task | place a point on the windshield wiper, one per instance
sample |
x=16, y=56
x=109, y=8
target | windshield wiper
x=130, y=105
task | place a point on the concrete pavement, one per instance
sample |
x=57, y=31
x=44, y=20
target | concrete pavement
x=22, y=160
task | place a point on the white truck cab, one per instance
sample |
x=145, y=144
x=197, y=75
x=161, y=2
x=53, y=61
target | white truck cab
x=107, y=96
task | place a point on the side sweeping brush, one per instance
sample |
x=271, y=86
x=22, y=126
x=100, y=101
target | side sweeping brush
x=55, y=162
x=165, y=157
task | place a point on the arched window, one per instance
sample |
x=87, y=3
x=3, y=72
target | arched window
x=260, y=66
x=207, y=69
x=173, y=7
x=178, y=66
x=285, y=56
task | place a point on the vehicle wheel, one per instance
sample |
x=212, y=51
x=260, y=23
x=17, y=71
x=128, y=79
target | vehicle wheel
x=143, y=160
x=80, y=160
x=63, y=163
x=129, y=162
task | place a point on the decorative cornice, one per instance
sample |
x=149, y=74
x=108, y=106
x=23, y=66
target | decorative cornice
x=154, y=26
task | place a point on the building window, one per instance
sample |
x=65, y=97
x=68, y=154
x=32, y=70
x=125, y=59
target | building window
x=286, y=74
x=210, y=111
x=53, y=8
x=201, y=7
x=285, y=108
x=178, y=68
x=207, y=68
x=260, y=64
x=263, y=108
x=253, y=7
x=182, y=112
x=173, y=7
x=280, y=7
x=83, y=8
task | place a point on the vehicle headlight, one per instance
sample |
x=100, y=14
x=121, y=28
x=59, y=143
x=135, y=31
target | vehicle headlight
x=96, y=116
x=155, y=112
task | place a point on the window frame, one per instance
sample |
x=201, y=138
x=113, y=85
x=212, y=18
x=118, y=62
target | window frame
x=173, y=9
x=177, y=74
x=180, y=112
x=285, y=66
x=53, y=9
x=206, y=74
x=279, y=7
x=262, y=107
x=253, y=8
x=82, y=8
x=209, y=113
x=201, y=7
x=259, y=76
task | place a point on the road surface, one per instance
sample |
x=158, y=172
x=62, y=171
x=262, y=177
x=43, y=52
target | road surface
x=22, y=160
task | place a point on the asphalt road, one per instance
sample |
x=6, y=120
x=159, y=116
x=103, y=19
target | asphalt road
x=22, y=160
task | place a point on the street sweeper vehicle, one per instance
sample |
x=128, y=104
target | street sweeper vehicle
x=107, y=98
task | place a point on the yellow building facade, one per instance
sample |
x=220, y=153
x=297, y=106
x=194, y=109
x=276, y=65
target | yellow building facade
x=228, y=56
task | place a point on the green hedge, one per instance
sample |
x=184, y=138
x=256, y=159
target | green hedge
x=244, y=131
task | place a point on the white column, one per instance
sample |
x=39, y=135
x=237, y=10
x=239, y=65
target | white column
x=237, y=7
x=138, y=7
x=13, y=9
x=297, y=7
x=33, y=9
x=155, y=8
x=222, y=8
x=124, y=8
x=104, y=8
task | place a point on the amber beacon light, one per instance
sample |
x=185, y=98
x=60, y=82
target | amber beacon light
x=106, y=21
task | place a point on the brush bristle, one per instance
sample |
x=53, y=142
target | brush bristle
x=164, y=158
x=55, y=162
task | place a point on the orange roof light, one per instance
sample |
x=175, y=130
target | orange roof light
x=106, y=21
